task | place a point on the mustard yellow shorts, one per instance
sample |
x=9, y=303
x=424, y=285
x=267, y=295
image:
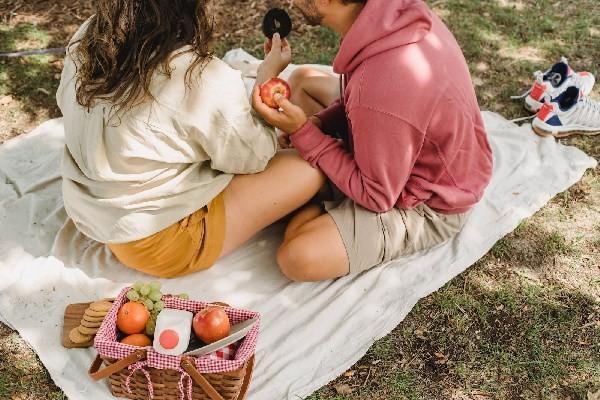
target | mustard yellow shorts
x=190, y=245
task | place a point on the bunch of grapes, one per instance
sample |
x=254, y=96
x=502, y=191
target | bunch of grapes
x=150, y=296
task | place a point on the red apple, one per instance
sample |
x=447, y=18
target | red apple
x=274, y=86
x=211, y=324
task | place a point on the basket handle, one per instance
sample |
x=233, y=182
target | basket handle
x=97, y=374
x=190, y=368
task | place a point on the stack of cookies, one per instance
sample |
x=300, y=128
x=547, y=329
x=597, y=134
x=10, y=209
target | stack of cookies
x=90, y=323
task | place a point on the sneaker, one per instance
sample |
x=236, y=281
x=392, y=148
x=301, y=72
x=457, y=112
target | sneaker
x=571, y=113
x=553, y=82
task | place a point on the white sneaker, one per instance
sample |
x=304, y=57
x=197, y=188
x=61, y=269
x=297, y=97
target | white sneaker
x=553, y=82
x=571, y=113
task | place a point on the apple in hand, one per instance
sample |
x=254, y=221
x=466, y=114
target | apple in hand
x=274, y=86
x=211, y=324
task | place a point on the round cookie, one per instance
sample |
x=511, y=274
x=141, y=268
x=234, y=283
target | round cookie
x=93, y=319
x=87, y=331
x=277, y=20
x=96, y=314
x=101, y=306
x=77, y=337
x=89, y=324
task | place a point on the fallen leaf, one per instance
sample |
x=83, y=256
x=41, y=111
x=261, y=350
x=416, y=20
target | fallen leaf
x=420, y=333
x=343, y=389
x=349, y=374
x=593, y=396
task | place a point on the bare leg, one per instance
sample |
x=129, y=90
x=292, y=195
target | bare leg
x=313, y=90
x=313, y=249
x=253, y=202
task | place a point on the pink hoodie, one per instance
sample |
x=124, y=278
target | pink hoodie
x=415, y=131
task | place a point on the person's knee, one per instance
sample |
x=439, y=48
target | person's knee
x=297, y=261
x=299, y=75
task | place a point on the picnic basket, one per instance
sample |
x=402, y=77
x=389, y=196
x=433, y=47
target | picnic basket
x=141, y=373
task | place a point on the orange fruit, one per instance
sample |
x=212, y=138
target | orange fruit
x=132, y=318
x=137, y=339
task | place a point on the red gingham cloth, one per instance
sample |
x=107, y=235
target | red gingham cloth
x=107, y=345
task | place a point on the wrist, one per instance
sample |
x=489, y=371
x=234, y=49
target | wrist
x=264, y=73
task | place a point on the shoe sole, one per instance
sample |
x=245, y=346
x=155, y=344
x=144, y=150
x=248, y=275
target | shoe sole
x=544, y=133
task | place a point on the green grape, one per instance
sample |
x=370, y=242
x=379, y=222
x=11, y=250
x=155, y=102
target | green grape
x=138, y=286
x=184, y=296
x=155, y=296
x=132, y=295
x=159, y=305
x=149, y=304
x=155, y=286
x=150, y=327
x=145, y=290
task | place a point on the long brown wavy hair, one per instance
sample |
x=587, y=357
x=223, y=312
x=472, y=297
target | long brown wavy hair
x=127, y=41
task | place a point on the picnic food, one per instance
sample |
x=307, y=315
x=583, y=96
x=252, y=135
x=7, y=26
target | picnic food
x=137, y=339
x=274, y=86
x=173, y=329
x=77, y=337
x=211, y=324
x=277, y=21
x=90, y=322
x=132, y=318
x=150, y=296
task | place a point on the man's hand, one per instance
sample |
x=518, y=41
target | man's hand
x=278, y=55
x=284, y=138
x=289, y=120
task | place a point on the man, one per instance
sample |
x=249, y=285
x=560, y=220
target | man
x=413, y=158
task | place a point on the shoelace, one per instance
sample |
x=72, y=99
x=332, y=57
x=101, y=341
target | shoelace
x=590, y=112
x=537, y=75
x=523, y=119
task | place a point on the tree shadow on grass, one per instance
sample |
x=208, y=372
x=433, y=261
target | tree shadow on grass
x=29, y=82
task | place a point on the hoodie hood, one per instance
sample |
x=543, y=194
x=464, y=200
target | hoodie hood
x=381, y=26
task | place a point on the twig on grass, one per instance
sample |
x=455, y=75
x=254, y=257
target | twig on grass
x=57, y=50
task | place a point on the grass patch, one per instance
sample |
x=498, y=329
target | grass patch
x=516, y=341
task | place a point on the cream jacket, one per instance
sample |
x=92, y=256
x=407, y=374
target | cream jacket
x=127, y=177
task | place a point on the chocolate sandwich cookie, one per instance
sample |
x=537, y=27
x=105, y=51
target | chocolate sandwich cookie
x=277, y=20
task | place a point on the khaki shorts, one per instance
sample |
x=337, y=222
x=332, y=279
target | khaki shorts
x=372, y=239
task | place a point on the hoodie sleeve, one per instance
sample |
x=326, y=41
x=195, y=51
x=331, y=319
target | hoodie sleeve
x=333, y=118
x=385, y=151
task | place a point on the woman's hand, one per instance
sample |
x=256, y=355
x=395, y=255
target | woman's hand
x=278, y=55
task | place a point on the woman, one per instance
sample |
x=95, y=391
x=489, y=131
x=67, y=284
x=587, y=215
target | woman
x=165, y=161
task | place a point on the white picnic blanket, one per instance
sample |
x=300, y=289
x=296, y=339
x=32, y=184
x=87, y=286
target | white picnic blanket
x=310, y=333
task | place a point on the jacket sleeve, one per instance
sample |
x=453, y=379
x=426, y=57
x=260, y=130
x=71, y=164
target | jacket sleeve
x=234, y=137
x=385, y=151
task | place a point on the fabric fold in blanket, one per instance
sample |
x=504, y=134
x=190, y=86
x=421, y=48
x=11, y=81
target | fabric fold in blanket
x=310, y=333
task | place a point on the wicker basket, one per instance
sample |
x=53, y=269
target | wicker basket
x=141, y=374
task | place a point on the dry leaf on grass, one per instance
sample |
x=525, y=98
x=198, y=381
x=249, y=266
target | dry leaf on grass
x=343, y=389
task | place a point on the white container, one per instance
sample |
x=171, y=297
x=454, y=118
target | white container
x=172, y=333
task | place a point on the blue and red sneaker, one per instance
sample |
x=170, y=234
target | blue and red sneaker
x=553, y=82
x=571, y=113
